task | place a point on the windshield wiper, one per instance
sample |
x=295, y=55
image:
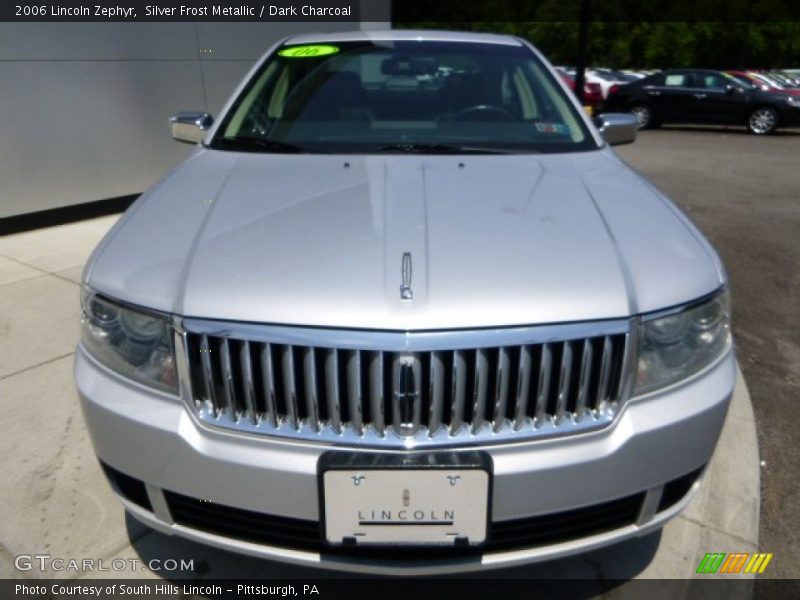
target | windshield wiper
x=248, y=143
x=420, y=148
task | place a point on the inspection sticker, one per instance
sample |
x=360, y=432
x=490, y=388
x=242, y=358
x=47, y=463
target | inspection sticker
x=552, y=128
x=308, y=51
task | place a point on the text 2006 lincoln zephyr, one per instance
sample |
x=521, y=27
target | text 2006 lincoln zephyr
x=404, y=310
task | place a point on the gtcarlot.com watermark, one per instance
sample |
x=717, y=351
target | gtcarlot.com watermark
x=46, y=562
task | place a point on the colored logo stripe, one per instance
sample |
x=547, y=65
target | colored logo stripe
x=720, y=562
x=758, y=563
x=734, y=562
x=711, y=562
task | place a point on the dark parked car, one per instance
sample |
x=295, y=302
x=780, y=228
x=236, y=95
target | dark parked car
x=704, y=97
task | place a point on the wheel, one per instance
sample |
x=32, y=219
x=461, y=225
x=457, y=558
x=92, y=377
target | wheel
x=762, y=121
x=643, y=114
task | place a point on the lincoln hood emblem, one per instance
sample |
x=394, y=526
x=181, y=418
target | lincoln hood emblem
x=405, y=288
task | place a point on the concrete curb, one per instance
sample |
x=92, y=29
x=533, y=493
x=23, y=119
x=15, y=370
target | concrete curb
x=730, y=498
x=724, y=515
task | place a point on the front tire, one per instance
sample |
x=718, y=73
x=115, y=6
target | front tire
x=762, y=121
x=644, y=115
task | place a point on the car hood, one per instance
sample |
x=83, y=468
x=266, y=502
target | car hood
x=492, y=240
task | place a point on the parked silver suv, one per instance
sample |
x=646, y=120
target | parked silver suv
x=404, y=308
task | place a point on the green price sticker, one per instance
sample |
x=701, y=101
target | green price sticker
x=308, y=51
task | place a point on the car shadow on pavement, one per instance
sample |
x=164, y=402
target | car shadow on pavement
x=601, y=569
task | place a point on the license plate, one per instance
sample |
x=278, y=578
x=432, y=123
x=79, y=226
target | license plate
x=406, y=506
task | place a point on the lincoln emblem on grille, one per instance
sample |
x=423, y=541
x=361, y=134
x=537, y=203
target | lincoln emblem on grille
x=405, y=288
x=406, y=381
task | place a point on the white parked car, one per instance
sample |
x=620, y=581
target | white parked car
x=605, y=79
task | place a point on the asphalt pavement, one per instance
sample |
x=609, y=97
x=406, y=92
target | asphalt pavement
x=743, y=192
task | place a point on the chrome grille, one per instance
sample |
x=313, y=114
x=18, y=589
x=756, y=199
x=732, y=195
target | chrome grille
x=404, y=388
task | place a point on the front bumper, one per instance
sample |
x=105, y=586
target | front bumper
x=655, y=440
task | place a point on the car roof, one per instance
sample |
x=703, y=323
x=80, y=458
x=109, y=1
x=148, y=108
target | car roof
x=694, y=70
x=397, y=35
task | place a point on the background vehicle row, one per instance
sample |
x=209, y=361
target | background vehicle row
x=700, y=96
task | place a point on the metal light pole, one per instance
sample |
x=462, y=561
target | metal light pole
x=583, y=49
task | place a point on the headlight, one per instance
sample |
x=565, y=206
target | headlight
x=134, y=343
x=675, y=346
x=793, y=101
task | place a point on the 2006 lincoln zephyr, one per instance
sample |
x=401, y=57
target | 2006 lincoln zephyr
x=404, y=308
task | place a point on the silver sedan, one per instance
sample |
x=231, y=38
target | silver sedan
x=404, y=310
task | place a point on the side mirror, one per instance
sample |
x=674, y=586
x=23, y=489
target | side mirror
x=617, y=128
x=729, y=89
x=190, y=127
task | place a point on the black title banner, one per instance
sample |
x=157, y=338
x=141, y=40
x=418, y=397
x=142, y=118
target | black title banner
x=193, y=10
x=404, y=12
x=466, y=588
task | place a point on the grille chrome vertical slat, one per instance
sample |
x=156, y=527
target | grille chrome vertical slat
x=311, y=390
x=564, y=379
x=228, y=390
x=376, y=395
x=268, y=381
x=332, y=390
x=407, y=396
x=479, y=391
x=248, y=384
x=501, y=388
x=523, y=387
x=543, y=384
x=185, y=384
x=459, y=391
x=436, y=392
x=604, y=383
x=289, y=387
x=628, y=369
x=354, y=395
x=208, y=373
x=583, y=382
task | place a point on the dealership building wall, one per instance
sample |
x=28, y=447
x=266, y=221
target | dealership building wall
x=84, y=107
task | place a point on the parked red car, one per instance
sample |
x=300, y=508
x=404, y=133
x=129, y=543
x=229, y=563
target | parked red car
x=763, y=84
x=592, y=94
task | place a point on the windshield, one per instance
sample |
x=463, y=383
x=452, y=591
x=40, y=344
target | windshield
x=741, y=81
x=770, y=82
x=403, y=96
x=605, y=75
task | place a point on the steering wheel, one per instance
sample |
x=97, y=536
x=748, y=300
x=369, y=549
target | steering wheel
x=258, y=120
x=480, y=110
